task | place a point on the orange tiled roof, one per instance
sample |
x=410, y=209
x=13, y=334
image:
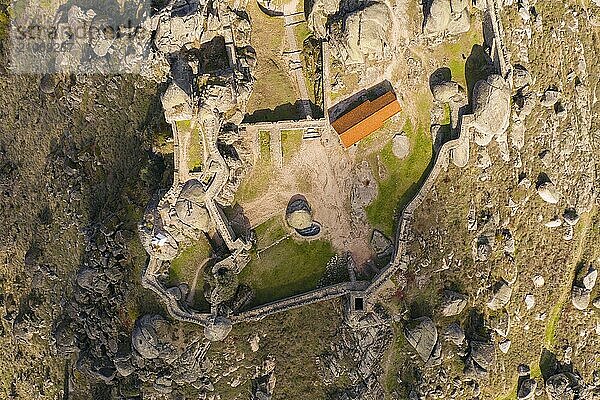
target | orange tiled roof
x=370, y=124
x=365, y=119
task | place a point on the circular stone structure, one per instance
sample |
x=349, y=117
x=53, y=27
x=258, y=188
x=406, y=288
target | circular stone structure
x=300, y=219
x=298, y=215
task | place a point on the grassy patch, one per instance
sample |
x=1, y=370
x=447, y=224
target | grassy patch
x=184, y=266
x=291, y=140
x=273, y=86
x=457, y=52
x=404, y=178
x=269, y=232
x=288, y=268
x=195, y=152
x=257, y=181
x=301, y=32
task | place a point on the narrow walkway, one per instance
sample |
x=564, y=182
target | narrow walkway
x=276, y=150
x=293, y=53
x=192, y=293
x=585, y=224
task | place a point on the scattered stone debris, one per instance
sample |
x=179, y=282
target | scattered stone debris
x=521, y=77
x=500, y=323
x=549, y=98
x=529, y=301
x=538, y=281
x=527, y=389
x=504, y=345
x=561, y=386
x=553, y=223
x=589, y=280
x=570, y=216
x=263, y=382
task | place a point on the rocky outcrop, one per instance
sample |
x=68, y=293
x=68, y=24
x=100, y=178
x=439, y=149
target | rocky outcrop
x=499, y=296
x=217, y=329
x=548, y=192
x=422, y=335
x=447, y=17
x=365, y=339
x=367, y=33
x=382, y=246
x=561, y=386
x=181, y=216
x=445, y=91
x=580, y=297
x=176, y=103
x=491, y=109
x=401, y=146
x=481, y=357
x=453, y=303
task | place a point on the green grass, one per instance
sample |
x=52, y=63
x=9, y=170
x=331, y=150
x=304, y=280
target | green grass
x=184, y=266
x=301, y=32
x=403, y=180
x=458, y=51
x=4, y=23
x=291, y=140
x=256, y=183
x=291, y=267
x=269, y=232
x=195, y=150
x=273, y=86
x=446, y=119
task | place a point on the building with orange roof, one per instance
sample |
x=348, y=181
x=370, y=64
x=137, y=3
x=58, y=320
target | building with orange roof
x=366, y=118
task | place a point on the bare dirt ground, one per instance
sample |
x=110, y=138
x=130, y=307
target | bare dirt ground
x=322, y=171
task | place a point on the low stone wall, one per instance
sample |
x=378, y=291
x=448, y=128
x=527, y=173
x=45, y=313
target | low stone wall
x=173, y=307
x=295, y=124
x=301, y=300
x=493, y=10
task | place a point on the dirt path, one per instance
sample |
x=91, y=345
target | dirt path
x=585, y=224
x=294, y=51
x=190, y=298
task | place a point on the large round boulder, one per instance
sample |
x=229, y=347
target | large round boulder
x=144, y=337
x=491, y=108
x=548, y=192
x=193, y=191
x=300, y=219
x=193, y=215
x=422, y=335
x=367, y=32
